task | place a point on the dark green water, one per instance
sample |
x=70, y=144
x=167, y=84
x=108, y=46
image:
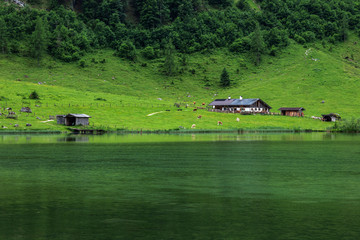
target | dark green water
x=273, y=186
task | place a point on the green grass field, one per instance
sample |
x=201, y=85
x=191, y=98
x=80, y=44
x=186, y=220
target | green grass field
x=119, y=94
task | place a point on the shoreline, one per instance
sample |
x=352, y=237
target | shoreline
x=172, y=131
x=12, y=132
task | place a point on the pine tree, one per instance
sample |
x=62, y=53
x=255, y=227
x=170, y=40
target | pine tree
x=224, y=78
x=148, y=14
x=39, y=40
x=34, y=95
x=257, y=44
x=3, y=35
x=344, y=28
x=170, y=65
x=163, y=12
x=154, y=13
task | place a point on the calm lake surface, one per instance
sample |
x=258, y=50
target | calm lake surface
x=250, y=186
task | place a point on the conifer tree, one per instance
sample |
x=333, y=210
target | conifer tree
x=154, y=13
x=34, y=95
x=224, y=78
x=39, y=40
x=170, y=65
x=3, y=35
x=344, y=28
x=257, y=44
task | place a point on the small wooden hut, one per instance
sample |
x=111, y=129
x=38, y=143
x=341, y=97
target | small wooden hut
x=76, y=119
x=292, y=112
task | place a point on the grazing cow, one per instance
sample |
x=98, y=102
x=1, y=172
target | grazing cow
x=193, y=126
x=199, y=117
x=203, y=104
x=219, y=123
x=194, y=110
x=194, y=102
x=238, y=119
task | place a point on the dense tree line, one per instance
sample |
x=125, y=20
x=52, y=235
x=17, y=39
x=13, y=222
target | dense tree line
x=149, y=27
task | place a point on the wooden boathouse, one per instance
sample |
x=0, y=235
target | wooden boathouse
x=76, y=119
x=73, y=119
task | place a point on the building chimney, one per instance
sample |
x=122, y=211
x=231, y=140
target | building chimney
x=240, y=98
x=229, y=97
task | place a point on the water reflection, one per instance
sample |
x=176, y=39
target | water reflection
x=142, y=138
x=72, y=138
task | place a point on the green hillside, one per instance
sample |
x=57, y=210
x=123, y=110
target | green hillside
x=120, y=94
x=126, y=63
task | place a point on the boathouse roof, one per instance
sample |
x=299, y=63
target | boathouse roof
x=78, y=115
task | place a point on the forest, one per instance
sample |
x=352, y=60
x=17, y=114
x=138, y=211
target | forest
x=153, y=28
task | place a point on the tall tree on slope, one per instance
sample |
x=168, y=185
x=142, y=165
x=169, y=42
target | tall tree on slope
x=3, y=35
x=257, y=44
x=39, y=39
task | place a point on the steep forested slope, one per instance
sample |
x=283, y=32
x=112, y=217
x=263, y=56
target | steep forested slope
x=132, y=28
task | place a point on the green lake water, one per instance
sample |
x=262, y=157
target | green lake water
x=250, y=186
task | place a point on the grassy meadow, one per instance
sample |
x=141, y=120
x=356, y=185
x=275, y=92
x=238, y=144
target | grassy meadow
x=119, y=94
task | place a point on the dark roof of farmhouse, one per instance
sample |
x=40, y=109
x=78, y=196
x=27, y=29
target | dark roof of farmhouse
x=237, y=102
x=244, y=101
x=292, y=109
x=221, y=102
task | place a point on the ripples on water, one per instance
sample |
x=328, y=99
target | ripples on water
x=251, y=186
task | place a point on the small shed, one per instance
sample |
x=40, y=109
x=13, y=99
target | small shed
x=76, y=119
x=292, y=112
x=331, y=117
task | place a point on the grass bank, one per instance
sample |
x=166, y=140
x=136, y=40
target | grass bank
x=123, y=95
